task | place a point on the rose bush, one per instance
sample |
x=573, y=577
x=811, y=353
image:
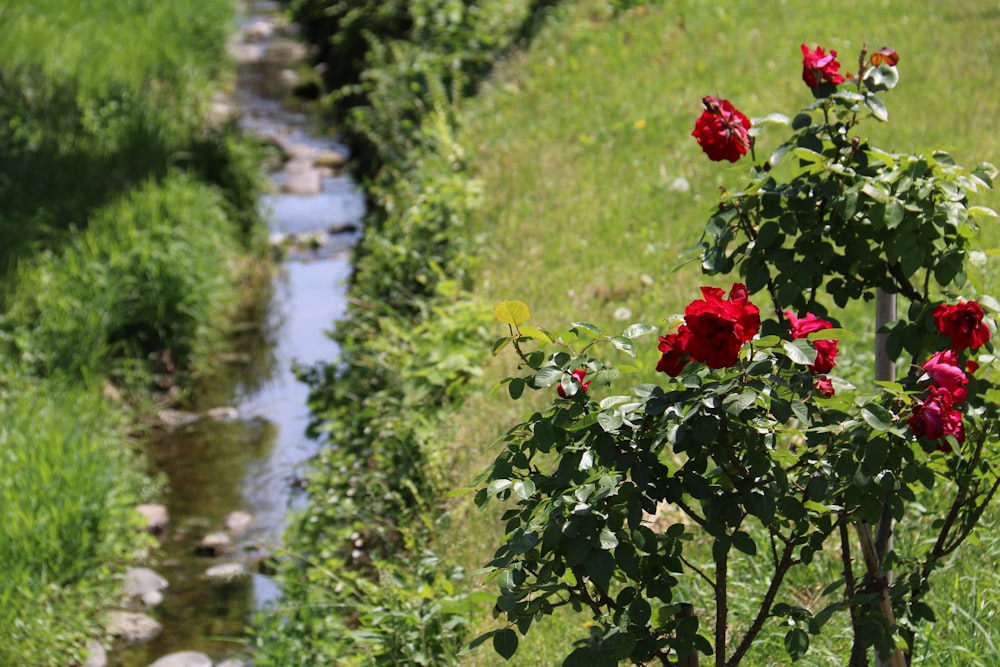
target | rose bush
x=635, y=505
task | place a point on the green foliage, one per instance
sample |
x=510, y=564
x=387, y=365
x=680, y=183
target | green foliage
x=68, y=486
x=389, y=64
x=751, y=456
x=146, y=277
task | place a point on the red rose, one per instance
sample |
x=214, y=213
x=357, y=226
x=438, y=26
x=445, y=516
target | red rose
x=945, y=373
x=963, y=323
x=817, y=66
x=717, y=328
x=674, y=357
x=826, y=350
x=971, y=366
x=825, y=387
x=721, y=130
x=578, y=375
x=934, y=417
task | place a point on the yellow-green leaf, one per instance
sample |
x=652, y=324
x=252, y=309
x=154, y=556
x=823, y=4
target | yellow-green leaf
x=536, y=333
x=511, y=312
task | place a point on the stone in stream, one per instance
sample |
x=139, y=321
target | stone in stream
x=183, y=659
x=96, y=655
x=237, y=523
x=132, y=626
x=156, y=517
x=329, y=158
x=226, y=572
x=309, y=182
x=145, y=585
x=223, y=413
x=214, y=544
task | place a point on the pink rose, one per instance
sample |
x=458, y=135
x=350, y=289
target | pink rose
x=935, y=418
x=945, y=372
x=578, y=375
x=722, y=131
x=826, y=350
x=963, y=324
x=818, y=66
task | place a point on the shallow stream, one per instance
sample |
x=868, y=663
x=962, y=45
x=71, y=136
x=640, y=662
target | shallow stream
x=247, y=458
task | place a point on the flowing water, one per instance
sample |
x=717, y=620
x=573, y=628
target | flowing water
x=248, y=459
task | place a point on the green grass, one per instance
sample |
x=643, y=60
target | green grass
x=68, y=486
x=96, y=99
x=148, y=274
x=578, y=144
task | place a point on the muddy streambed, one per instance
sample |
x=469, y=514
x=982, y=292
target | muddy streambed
x=242, y=447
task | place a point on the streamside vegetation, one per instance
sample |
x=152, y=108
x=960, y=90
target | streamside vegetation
x=570, y=182
x=125, y=217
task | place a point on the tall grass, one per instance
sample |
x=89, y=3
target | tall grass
x=594, y=188
x=146, y=277
x=68, y=486
x=97, y=98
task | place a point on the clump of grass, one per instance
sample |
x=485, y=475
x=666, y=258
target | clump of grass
x=144, y=280
x=68, y=486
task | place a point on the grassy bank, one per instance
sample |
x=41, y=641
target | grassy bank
x=125, y=217
x=594, y=188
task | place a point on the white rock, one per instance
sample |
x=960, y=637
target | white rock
x=96, y=655
x=156, y=517
x=132, y=626
x=183, y=659
x=144, y=584
x=237, y=522
x=227, y=572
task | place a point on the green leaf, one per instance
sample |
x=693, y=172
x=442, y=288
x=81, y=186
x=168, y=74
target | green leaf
x=516, y=388
x=536, y=333
x=608, y=539
x=800, y=351
x=639, y=329
x=610, y=421
x=877, y=107
x=500, y=343
x=592, y=329
x=498, y=485
x=744, y=543
x=511, y=312
x=877, y=417
x=624, y=344
x=505, y=643
x=548, y=376
x=796, y=643
x=524, y=488
x=758, y=125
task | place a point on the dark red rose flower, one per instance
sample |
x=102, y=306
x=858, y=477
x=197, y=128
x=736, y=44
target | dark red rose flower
x=717, y=328
x=818, y=66
x=971, y=366
x=825, y=387
x=945, y=372
x=578, y=375
x=826, y=350
x=935, y=417
x=963, y=323
x=722, y=131
x=674, y=357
